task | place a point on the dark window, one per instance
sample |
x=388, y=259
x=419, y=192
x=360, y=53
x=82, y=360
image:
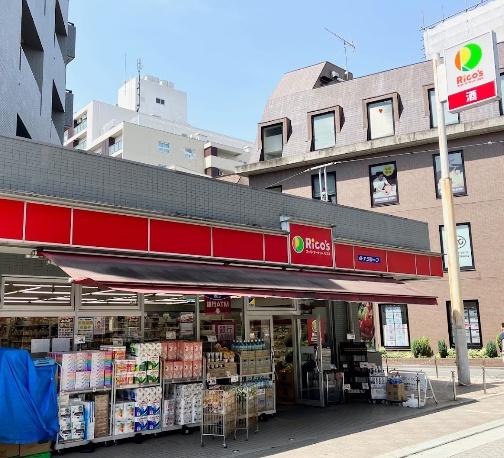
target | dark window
x=275, y=188
x=331, y=186
x=457, y=173
x=450, y=118
x=21, y=130
x=471, y=321
x=383, y=184
x=160, y=101
x=394, y=325
x=31, y=44
x=380, y=119
x=465, y=248
x=272, y=141
x=324, y=130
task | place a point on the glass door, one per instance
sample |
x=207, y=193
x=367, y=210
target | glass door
x=261, y=328
x=309, y=340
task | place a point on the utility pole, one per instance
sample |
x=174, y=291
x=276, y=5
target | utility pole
x=139, y=69
x=450, y=228
x=346, y=44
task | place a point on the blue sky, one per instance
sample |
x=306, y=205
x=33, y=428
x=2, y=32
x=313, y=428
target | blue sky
x=228, y=55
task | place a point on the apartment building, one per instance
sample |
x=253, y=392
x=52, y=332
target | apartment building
x=36, y=44
x=376, y=137
x=152, y=128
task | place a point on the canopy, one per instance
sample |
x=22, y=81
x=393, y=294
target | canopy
x=160, y=276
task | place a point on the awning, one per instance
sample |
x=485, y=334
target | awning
x=159, y=276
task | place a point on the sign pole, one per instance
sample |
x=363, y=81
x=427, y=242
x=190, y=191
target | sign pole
x=459, y=334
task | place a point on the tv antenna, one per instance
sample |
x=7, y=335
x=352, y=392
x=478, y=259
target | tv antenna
x=346, y=44
x=139, y=69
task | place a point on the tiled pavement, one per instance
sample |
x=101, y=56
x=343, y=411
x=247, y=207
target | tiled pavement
x=353, y=429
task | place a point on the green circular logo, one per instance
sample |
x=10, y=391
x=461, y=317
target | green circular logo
x=298, y=244
x=468, y=57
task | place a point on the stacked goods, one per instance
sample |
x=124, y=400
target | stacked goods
x=139, y=411
x=84, y=369
x=220, y=400
x=220, y=363
x=182, y=360
x=138, y=371
x=255, y=362
x=168, y=413
x=118, y=351
x=188, y=400
x=76, y=420
x=101, y=419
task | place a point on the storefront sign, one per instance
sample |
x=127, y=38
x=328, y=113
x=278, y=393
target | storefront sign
x=373, y=259
x=216, y=304
x=311, y=246
x=471, y=73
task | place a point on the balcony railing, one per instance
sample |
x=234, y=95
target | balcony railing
x=80, y=127
x=115, y=148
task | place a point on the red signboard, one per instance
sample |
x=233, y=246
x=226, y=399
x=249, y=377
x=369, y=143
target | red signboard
x=215, y=304
x=370, y=259
x=311, y=246
x=458, y=100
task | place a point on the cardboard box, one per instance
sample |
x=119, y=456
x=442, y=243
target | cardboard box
x=8, y=450
x=396, y=392
x=33, y=449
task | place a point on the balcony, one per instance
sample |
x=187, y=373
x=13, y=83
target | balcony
x=115, y=149
x=222, y=163
x=80, y=127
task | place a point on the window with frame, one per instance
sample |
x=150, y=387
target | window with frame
x=189, y=153
x=323, y=130
x=272, y=141
x=457, y=173
x=450, y=118
x=472, y=324
x=394, y=325
x=164, y=147
x=465, y=248
x=380, y=118
x=160, y=101
x=331, y=186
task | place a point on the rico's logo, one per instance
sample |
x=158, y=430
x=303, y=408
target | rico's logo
x=310, y=245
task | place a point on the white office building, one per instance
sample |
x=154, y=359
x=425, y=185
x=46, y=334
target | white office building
x=36, y=44
x=152, y=128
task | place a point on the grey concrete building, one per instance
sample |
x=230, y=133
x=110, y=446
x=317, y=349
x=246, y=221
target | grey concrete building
x=36, y=44
x=376, y=134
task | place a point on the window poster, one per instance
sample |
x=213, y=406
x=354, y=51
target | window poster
x=457, y=173
x=383, y=181
x=465, y=252
x=395, y=327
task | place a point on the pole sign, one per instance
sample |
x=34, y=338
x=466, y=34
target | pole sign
x=311, y=246
x=471, y=73
x=215, y=304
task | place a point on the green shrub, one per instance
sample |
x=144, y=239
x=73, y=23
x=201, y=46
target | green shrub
x=451, y=353
x=421, y=347
x=491, y=350
x=443, y=349
x=473, y=353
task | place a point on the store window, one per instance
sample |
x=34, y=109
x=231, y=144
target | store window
x=457, y=173
x=465, y=248
x=164, y=147
x=324, y=130
x=450, y=118
x=394, y=325
x=383, y=184
x=380, y=117
x=331, y=187
x=272, y=140
x=472, y=324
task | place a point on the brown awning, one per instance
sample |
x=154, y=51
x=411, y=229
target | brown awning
x=151, y=276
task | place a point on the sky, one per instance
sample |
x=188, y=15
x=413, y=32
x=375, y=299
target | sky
x=228, y=55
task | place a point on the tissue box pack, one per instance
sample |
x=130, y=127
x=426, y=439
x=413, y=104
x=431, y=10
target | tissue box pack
x=197, y=350
x=169, y=350
x=82, y=380
x=197, y=368
x=141, y=424
x=178, y=369
x=168, y=370
x=185, y=351
x=187, y=369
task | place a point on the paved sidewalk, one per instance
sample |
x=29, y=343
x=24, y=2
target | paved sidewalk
x=353, y=429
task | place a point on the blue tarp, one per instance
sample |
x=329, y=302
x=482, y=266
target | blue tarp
x=28, y=399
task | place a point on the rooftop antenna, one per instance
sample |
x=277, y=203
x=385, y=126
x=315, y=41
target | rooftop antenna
x=139, y=69
x=346, y=44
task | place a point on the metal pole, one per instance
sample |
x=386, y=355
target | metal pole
x=418, y=388
x=484, y=379
x=450, y=228
x=198, y=318
x=454, y=386
x=437, y=371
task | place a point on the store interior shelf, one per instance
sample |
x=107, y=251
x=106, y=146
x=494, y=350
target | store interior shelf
x=87, y=390
x=182, y=380
x=71, y=444
x=136, y=385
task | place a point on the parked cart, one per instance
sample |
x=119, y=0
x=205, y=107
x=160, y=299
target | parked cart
x=246, y=410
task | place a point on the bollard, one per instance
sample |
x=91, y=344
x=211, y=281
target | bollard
x=386, y=364
x=454, y=387
x=435, y=362
x=484, y=379
x=418, y=389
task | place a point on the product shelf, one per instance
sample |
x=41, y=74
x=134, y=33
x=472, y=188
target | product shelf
x=71, y=444
x=136, y=385
x=87, y=390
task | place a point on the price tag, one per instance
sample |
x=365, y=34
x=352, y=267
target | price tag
x=80, y=340
x=346, y=386
x=212, y=338
x=234, y=379
x=350, y=336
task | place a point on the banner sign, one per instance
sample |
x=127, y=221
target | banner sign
x=311, y=246
x=217, y=304
x=471, y=73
